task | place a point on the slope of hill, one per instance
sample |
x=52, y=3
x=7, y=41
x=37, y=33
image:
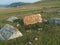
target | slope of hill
x=3, y=5
x=17, y=4
x=39, y=7
x=50, y=33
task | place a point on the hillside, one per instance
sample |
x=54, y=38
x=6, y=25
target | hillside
x=3, y=5
x=50, y=33
x=17, y=4
x=40, y=7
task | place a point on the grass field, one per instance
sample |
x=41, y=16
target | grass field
x=50, y=33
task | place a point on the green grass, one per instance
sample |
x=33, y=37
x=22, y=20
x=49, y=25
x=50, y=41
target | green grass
x=29, y=9
x=50, y=33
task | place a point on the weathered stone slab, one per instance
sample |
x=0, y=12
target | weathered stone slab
x=9, y=32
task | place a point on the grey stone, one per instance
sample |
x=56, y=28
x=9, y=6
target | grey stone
x=9, y=32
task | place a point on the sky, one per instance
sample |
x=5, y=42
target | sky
x=3, y=2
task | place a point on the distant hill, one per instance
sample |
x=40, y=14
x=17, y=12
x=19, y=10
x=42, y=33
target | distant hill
x=3, y=5
x=50, y=0
x=17, y=4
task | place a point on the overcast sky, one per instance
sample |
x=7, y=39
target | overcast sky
x=11, y=1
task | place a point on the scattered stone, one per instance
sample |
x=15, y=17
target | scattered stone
x=54, y=20
x=44, y=20
x=39, y=29
x=12, y=18
x=32, y=19
x=9, y=32
x=18, y=25
x=28, y=31
x=36, y=39
x=58, y=12
x=30, y=43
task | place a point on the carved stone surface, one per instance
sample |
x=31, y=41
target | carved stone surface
x=9, y=32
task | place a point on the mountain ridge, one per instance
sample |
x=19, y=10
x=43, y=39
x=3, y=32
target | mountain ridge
x=15, y=4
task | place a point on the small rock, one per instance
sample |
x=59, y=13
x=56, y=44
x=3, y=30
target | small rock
x=36, y=39
x=30, y=43
x=44, y=20
x=39, y=29
x=18, y=25
x=28, y=31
